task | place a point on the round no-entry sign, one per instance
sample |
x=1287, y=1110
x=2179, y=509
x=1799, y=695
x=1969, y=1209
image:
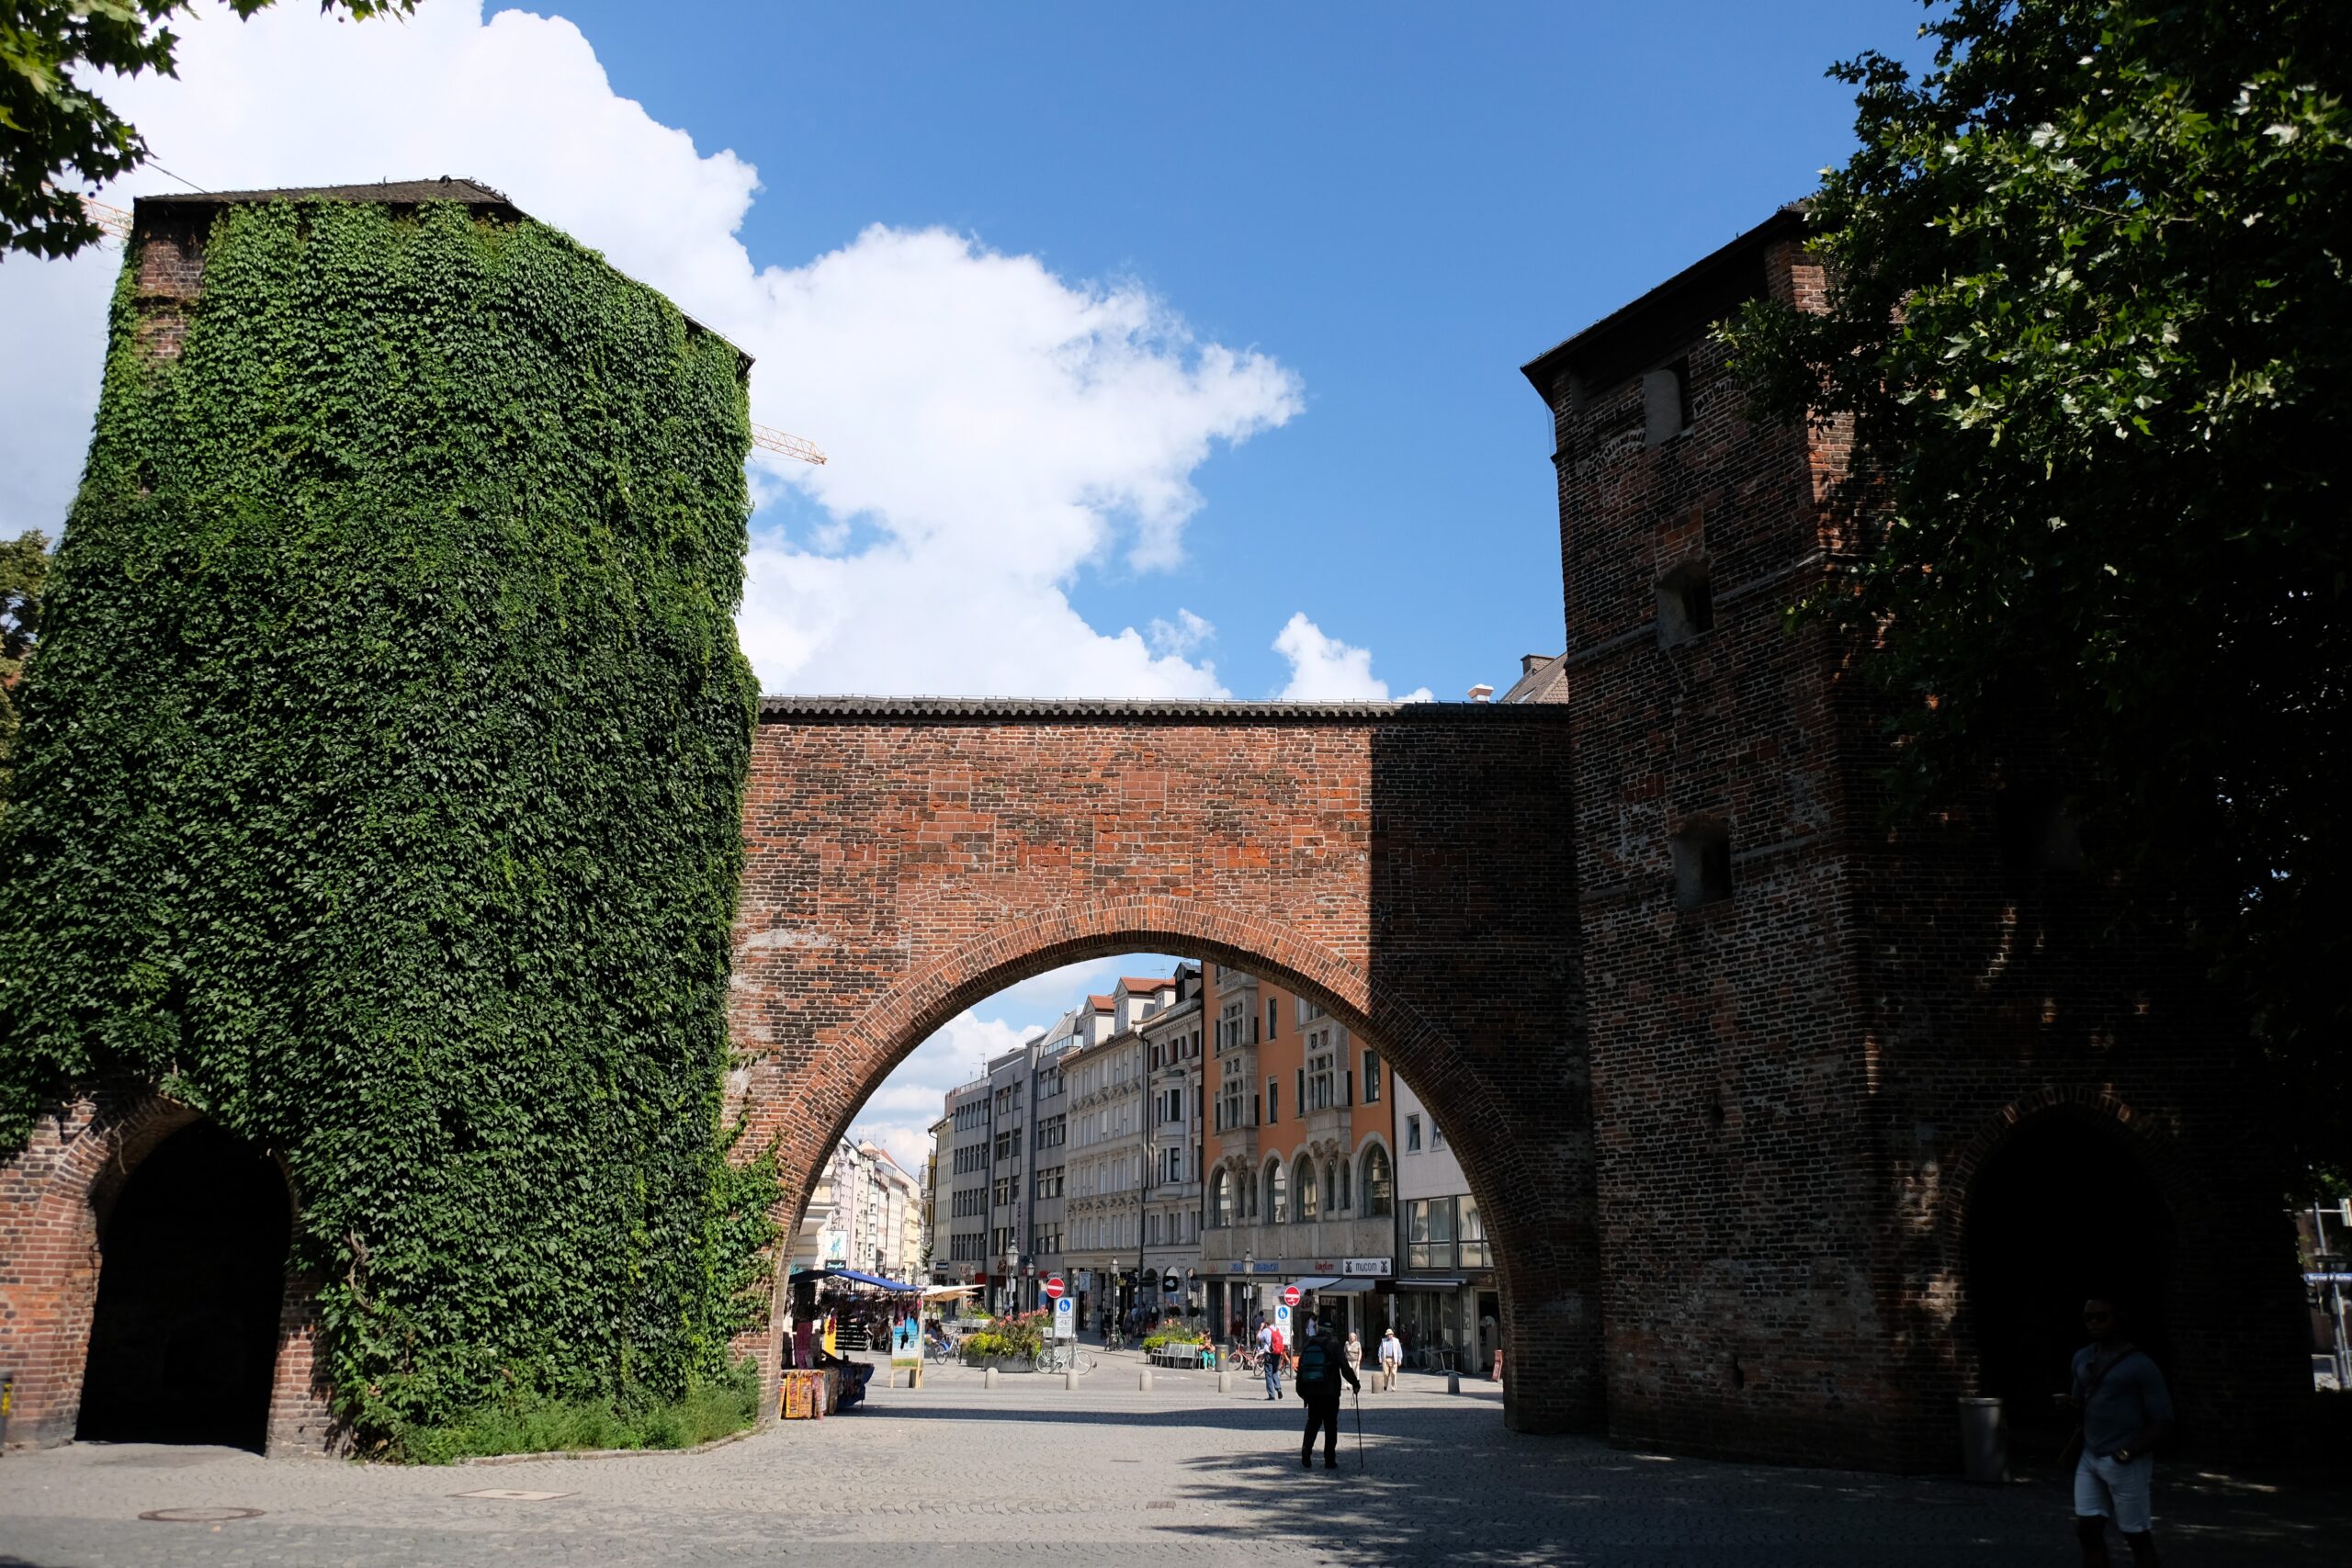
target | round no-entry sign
x=1054, y=1287
x=1290, y=1295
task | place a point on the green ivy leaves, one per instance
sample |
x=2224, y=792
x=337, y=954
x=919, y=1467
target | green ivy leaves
x=381, y=783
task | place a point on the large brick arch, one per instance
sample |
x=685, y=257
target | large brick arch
x=907, y=859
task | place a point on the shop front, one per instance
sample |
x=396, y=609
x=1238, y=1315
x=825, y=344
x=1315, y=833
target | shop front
x=1347, y=1293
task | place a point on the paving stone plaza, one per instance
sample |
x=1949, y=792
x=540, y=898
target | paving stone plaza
x=1035, y=1472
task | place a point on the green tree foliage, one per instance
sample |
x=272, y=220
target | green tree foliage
x=24, y=567
x=380, y=788
x=53, y=126
x=2090, y=316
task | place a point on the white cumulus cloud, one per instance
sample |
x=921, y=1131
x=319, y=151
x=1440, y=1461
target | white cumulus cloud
x=994, y=428
x=1324, y=668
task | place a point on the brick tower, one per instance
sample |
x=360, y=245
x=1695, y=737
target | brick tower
x=1872, y=1108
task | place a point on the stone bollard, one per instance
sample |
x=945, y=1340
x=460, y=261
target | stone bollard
x=1070, y=1378
x=1453, y=1382
x=1224, y=1381
x=915, y=1379
x=988, y=1378
x=1143, y=1381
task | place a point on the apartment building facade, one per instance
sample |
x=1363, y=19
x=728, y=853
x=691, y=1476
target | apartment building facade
x=1300, y=1186
x=1173, y=1153
x=964, y=1258
x=1447, y=1295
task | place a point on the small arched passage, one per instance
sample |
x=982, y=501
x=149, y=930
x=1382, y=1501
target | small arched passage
x=907, y=859
x=2065, y=1209
x=192, y=1276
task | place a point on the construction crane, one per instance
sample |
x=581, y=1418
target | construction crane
x=111, y=220
x=790, y=446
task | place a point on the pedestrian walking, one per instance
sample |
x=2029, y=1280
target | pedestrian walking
x=1321, y=1366
x=2126, y=1410
x=1392, y=1355
x=1356, y=1349
x=1271, y=1349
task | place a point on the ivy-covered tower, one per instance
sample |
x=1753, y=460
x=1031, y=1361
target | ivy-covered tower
x=374, y=834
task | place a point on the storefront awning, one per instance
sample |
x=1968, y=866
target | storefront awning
x=1317, y=1282
x=1429, y=1284
x=1347, y=1287
x=855, y=1278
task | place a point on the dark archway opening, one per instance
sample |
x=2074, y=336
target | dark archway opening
x=185, y=1336
x=2065, y=1211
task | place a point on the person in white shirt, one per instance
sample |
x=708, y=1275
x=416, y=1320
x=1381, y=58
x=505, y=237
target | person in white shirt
x=1392, y=1355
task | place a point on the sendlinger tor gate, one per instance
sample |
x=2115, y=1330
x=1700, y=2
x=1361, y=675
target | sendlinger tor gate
x=1790, y=1130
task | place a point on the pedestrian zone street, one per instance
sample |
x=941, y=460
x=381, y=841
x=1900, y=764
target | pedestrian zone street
x=1032, y=1472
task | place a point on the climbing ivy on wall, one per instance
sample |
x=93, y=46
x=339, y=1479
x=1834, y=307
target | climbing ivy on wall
x=379, y=791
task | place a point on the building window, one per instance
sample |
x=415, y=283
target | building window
x=1665, y=402
x=1702, y=853
x=1273, y=1012
x=1437, y=1135
x=1220, y=1199
x=1310, y=1196
x=1335, y=1182
x=1686, y=604
x=1412, y=1135
x=1277, y=1193
x=1379, y=1183
x=1472, y=1230
x=1371, y=1078
x=1273, y=1102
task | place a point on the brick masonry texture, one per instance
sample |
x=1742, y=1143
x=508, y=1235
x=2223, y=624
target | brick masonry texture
x=907, y=859
x=1725, y=1152
x=1792, y=1086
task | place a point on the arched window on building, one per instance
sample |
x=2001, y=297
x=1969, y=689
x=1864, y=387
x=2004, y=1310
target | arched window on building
x=1379, y=1183
x=1220, y=1199
x=1335, y=1177
x=1310, y=1196
x=1277, y=1192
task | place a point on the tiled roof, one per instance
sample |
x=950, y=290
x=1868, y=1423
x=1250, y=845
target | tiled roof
x=1102, y=1004
x=1146, y=986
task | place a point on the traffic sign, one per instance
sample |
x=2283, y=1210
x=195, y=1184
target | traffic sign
x=1282, y=1315
x=1172, y=1284
x=1054, y=1287
x=1065, y=1318
x=1290, y=1295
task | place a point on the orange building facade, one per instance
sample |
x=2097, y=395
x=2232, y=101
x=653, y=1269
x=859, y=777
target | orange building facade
x=1301, y=1160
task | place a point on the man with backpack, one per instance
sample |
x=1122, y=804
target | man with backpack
x=1271, y=1349
x=2126, y=1410
x=1320, y=1366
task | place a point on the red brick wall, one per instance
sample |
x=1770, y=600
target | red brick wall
x=1791, y=1087
x=907, y=860
x=54, y=1197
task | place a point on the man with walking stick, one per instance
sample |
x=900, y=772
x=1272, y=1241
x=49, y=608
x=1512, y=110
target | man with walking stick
x=1317, y=1373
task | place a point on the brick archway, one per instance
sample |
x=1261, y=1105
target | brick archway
x=57, y=1194
x=908, y=858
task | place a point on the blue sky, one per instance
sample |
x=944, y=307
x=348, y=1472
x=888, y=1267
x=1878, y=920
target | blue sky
x=1160, y=351
x=1401, y=205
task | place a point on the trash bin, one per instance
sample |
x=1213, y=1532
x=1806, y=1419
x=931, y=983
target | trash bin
x=1984, y=1441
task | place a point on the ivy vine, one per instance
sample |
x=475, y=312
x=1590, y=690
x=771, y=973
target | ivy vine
x=379, y=791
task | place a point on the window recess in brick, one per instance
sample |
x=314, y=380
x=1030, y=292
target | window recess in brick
x=1701, y=864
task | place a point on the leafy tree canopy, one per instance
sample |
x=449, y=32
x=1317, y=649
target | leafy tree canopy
x=2091, y=320
x=53, y=126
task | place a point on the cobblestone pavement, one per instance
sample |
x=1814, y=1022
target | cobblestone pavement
x=957, y=1474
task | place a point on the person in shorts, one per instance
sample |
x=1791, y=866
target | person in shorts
x=2126, y=1410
